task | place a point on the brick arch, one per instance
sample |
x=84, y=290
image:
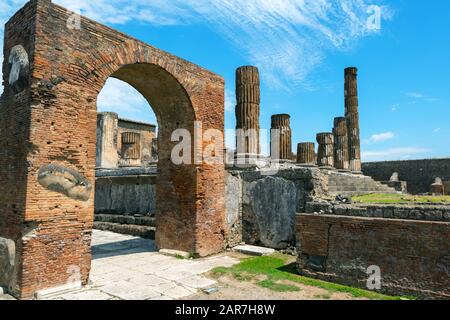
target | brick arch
x=48, y=130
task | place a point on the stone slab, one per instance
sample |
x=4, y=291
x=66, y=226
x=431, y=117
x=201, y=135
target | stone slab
x=254, y=250
x=60, y=290
x=175, y=253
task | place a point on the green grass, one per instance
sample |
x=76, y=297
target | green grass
x=400, y=199
x=276, y=268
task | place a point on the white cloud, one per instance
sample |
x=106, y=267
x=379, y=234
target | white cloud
x=118, y=96
x=380, y=137
x=392, y=154
x=416, y=95
x=420, y=96
x=230, y=101
x=286, y=39
x=437, y=130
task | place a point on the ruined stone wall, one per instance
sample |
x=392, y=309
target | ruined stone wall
x=125, y=192
x=419, y=174
x=413, y=256
x=426, y=212
x=261, y=208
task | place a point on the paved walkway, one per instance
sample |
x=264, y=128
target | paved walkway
x=128, y=268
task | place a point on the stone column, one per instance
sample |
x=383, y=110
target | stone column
x=281, y=128
x=352, y=117
x=107, y=130
x=341, y=161
x=247, y=110
x=306, y=154
x=325, y=156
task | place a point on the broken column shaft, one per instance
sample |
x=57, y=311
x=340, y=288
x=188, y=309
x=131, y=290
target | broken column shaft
x=107, y=131
x=281, y=137
x=247, y=110
x=325, y=155
x=352, y=118
x=306, y=154
x=341, y=161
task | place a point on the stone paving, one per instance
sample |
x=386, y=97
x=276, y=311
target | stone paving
x=128, y=268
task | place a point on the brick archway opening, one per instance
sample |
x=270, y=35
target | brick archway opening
x=174, y=198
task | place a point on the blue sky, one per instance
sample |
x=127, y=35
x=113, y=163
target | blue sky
x=302, y=48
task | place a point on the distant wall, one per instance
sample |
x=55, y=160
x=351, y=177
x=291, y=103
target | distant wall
x=133, y=194
x=419, y=174
x=413, y=256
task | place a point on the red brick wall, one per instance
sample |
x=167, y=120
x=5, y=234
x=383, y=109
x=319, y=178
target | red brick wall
x=413, y=256
x=54, y=121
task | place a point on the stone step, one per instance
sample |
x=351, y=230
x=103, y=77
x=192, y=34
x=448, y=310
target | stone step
x=130, y=229
x=350, y=185
x=126, y=219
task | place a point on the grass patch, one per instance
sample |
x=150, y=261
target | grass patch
x=276, y=268
x=400, y=199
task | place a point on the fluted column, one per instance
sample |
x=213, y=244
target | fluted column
x=306, y=154
x=107, y=131
x=352, y=118
x=325, y=156
x=282, y=124
x=247, y=110
x=341, y=158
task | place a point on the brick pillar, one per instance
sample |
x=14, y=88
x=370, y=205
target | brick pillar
x=282, y=123
x=325, y=156
x=107, y=130
x=247, y=110
x=306, y=154
x=341, y=161
x=352, y=117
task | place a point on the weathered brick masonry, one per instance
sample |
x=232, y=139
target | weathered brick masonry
x=413, y=256
x=53, y=121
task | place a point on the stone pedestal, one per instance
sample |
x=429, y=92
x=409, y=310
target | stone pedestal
x=107, y=130
x=247, y=110
x=281, y=137
x=341, y=161
x=306, y=154
x=325, y=156
x=352, y=118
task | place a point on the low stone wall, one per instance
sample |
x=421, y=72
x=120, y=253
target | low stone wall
x=419, y=174
x=413, y=256
x=261, y=208
x=125, y=192
x=398, y=211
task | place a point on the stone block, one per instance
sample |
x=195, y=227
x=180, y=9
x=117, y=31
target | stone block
x=254, y=250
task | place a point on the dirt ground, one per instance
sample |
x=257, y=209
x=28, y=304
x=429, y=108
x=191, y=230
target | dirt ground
x=232, y=289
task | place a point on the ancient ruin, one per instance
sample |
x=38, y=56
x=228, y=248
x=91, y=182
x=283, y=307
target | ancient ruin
x=352, y=116
x=281, y=146
x=247, y=110
x=341, y=159
x=49, y=117
x=66, y=170
x=306, y=153
x=325, y=156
